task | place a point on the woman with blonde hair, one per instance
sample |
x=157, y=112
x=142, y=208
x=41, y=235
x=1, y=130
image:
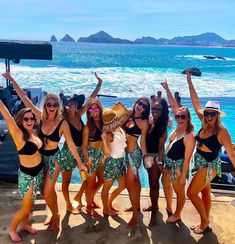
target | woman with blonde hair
x=30, y=174
x=177, y=158
x=210, y=138
x=52, y=127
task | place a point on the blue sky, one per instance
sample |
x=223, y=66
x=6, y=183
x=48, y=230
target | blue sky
x=130, y=19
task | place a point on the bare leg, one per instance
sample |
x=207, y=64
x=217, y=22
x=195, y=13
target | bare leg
x=66, y=178
x=51, y=198
x=154, y=174
x=26, y=226
x=133, y=187
x=22, y=213
x=168, y=191
x=198, y=184
x=78, y=197
x=117, y=191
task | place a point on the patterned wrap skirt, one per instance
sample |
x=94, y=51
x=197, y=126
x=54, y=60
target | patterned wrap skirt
x=134, y=159
x=67, y=162
x=95, y=156
x=49, y=161
x=25, y=181
x=114, y=168
x=200, y=162
x=173, y=166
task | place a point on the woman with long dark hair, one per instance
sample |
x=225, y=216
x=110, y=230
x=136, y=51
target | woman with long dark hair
x=210, y=138
x=52, y=127
x=153, y=161
x=30, y=174
x=136, y=126
x=177, y=158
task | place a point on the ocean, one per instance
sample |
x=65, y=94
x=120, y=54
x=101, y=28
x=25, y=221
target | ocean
x=131, y=71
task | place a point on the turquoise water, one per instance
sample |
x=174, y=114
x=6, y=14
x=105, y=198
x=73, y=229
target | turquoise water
x=130, y=71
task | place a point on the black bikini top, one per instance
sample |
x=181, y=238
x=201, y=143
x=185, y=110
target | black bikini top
x=135, y=130
x=76, y=134
x=29, y=148
x=210, y=142
x=97, y=136
x=54, y=136
x=177, y=150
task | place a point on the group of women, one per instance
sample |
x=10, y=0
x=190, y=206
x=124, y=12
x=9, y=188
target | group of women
x=110, y=147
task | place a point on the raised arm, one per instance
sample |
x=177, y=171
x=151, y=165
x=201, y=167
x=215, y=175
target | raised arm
x=171, y=99
x=15, y=131
x=195, y=100
x=93, y=94
x=27, y=102
x=72, y=147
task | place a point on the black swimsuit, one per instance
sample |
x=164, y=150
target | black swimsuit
x=97, y=136
x=29, y=148
x=177, y=150
x=211, y=143
x=76, y=134
x=135, y=130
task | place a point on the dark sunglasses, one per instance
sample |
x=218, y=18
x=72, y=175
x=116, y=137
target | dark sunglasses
x=156, y=110
x=26, y=119
x=55, y=105
x=211, y=114
x=180, y=116
x=94, y=110
x=143, y=105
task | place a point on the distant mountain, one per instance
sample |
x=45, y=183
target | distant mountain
x=205, y=39
x=67, y=38
x=53, y=38
x=103, y=37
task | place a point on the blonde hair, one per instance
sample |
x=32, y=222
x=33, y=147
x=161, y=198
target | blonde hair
x=218, y=124
x=190, y=126
x=58, y=114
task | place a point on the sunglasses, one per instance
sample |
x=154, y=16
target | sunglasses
x=55, y=105
x=211, y=114
x=141, y=104
x=94, y=110
x=26, y=119
x=180, y=116
x=156, y=110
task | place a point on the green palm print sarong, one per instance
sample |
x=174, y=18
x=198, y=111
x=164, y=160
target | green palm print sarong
x=134, y=159
x=114, y=168
x=95, y=156
x=200, y=162
x=67, y=162
x=25, y=181
x=49, y=162
x=173, y=166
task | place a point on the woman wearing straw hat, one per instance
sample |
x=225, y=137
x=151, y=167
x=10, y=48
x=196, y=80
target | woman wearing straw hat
x=210, y=138
x=73, y=111
x=114, y=144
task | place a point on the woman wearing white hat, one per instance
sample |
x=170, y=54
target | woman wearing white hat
x=211, y=137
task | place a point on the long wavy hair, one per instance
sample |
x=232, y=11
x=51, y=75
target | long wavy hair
x=160, y=126
x=145, y=114
x=90, y=121
x=190, y=126
x=218, y=124
x=19, y=121
x=65, y=113
x=58, y=114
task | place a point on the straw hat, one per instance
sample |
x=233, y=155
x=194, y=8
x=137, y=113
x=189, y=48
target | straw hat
x=215, y=106
x=115, y=116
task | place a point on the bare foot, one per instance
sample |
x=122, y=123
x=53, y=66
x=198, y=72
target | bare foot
x=14, y=237
x=55, y=223
x=73, y=210
x=79, y=203
x=95, y=205
x=48, y=221
x=111, y=213
x=130, y=209
x=30, y=229
x=149, y=208
x=173, y=219
x=132, y=223
x=194, y=226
